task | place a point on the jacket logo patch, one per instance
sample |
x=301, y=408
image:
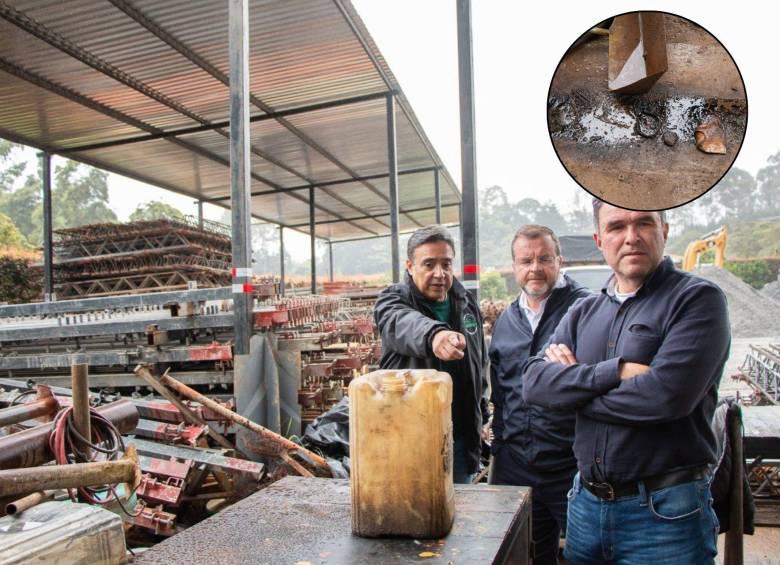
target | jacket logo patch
x=470, y=324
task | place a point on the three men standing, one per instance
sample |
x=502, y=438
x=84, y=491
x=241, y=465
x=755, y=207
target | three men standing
x=533, y=446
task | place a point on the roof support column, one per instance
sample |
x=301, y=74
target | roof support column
x=392, y=169
x=468, y=219
x=312, y=241
x=200, y=214
x=437, y=194
x=281, y=260
x=330, y=261
x=240, y=172
x=48, y=278
x=246, y=382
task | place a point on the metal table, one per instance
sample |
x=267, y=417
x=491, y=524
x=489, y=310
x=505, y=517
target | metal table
x=298, y=520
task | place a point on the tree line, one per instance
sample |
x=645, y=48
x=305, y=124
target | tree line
x=749, y=205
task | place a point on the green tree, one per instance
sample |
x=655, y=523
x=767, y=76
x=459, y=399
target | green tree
x=9, y=233
x=755, y=273
x=155, y=210
x=768, y=178
x=736, y=193
x=79, y=197
x=492, y=286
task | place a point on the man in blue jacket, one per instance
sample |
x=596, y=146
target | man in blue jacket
x=641, y=364
x=532, y=446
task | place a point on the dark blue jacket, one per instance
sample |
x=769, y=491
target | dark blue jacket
x=407, y=325
x=542, y=438
x=658, y=421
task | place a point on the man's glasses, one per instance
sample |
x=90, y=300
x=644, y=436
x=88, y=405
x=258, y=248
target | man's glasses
x=544, y=260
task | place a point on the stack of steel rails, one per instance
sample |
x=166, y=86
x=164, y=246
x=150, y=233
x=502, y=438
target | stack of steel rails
x=157, y=255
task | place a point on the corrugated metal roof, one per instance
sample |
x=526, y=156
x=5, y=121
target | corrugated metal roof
x=140, y=88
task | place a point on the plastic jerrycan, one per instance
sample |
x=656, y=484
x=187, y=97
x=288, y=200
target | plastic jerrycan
x=400, y=441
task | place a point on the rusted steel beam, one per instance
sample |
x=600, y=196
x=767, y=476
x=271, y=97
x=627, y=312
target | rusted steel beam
x=274, y=441
x=46, y=406
x=190, y=416
x=33, y=479
x=31, y=447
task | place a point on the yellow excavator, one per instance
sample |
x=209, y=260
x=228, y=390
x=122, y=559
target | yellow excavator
x=716, y=239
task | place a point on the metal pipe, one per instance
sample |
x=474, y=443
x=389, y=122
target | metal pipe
x=468, y=158
x=312, y=242
x=437, y=194
x=330, y=261
x=275, y=440
x=22, y=412
x=240, y=172
x=281, y=260
x=31, y=447
x=80, y=386
x=733, y=547
x=33, y=479
x=392, y=168
x=26, y=502
x=48, y=279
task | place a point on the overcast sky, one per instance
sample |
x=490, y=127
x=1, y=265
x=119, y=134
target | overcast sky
x=517, y=46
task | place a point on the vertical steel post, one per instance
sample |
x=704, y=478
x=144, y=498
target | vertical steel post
x=79, y=376
x=281, y=260
x=240, y=172
x=245, y=383
x=330, y=260
x=312, y=241
x=437, y=193
x=392, y=170
x=200, y=214
x=48, y=278
x=468, y=220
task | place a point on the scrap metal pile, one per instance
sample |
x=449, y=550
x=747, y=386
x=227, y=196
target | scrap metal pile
x=110, y=259
x=761, y=371
x=180, y=461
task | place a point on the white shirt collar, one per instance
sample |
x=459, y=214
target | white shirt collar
x=535, y=317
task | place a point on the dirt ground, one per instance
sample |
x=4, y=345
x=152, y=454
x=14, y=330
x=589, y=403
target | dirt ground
x=596, y=136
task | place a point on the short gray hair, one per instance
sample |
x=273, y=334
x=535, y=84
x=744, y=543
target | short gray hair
x=428, y=234
x=597, y=204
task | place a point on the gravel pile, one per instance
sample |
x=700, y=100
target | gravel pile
x=772, y=290
x=752, y=313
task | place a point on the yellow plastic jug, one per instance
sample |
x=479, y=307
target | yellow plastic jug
x=400, y=441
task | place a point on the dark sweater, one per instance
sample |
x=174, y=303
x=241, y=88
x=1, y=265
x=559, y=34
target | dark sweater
x=658, y=421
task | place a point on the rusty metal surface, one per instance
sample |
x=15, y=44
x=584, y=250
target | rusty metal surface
x=639, y=151
x=33, y=479
x=308, y=520
x=31, y=447
x=21, y=412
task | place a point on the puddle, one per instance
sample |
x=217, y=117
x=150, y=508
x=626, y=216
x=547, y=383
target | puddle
x=614, y=119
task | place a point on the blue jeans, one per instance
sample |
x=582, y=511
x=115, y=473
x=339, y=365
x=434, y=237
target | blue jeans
x=671, y=525
x=460, y=473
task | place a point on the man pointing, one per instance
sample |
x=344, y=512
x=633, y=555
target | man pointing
x=430, y=321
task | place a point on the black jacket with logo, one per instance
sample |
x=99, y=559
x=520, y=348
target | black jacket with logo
x=407, y=326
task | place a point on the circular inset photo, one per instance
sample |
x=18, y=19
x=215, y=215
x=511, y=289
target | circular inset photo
x=647, y=110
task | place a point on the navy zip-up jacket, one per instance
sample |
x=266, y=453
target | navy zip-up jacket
x=542, y=438
x=660, y=420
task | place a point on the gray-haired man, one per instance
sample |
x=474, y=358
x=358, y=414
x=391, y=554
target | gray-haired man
x=430, y=321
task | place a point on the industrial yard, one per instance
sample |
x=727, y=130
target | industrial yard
x=165, y=400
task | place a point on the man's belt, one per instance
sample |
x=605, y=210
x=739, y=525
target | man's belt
x=611, y=491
